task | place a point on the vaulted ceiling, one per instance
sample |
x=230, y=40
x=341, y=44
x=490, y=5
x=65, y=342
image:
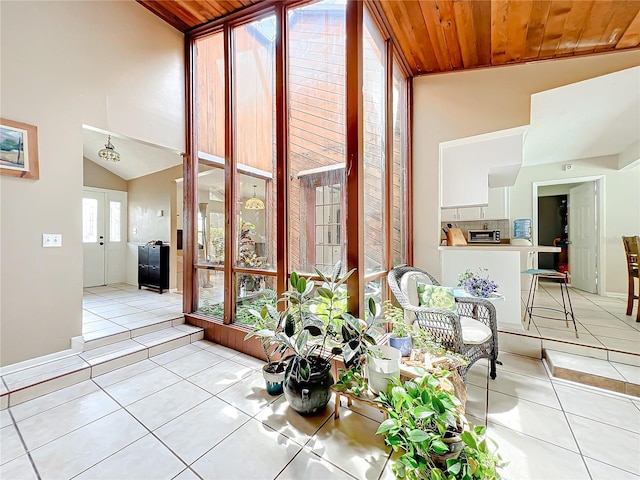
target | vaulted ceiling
x=448, y=35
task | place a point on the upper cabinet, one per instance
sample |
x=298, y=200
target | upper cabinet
x=469, y=166
x=496, y=209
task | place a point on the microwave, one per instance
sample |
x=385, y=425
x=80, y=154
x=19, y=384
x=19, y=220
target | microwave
x=483, y=236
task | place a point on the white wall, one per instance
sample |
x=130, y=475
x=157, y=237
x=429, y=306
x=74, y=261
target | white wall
x=621, y=201
x=112, y=65
x=456, y=105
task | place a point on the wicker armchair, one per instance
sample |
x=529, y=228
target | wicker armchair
x=459, y=332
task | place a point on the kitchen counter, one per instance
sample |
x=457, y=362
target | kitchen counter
x=503, y=247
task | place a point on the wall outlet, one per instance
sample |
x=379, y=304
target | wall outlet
x=51, y=239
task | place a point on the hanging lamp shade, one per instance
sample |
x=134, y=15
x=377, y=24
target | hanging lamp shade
x=108, y=153
x=254, y=203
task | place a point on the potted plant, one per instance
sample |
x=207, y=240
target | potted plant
x=400, y=337
x=426, y=423
x=266, y=324
x=311, y=339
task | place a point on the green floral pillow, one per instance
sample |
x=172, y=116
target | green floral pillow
x=435, y=296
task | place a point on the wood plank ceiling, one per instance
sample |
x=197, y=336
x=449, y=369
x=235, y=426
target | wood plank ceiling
x=448, y=35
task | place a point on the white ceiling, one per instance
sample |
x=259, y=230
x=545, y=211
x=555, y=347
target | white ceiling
x=137, y=158
x=593, y=118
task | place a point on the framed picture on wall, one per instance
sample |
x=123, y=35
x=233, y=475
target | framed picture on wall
x=18, y=149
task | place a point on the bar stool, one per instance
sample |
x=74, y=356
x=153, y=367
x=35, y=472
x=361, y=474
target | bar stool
x=567, y=308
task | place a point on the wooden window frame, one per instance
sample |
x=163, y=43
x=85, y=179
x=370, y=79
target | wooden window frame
x=354, y=206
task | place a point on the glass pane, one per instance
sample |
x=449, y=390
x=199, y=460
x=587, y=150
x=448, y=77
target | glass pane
x=374, y=290
x=255, y=291
x=317, y=131
x=374, y=53
x=256, y=205
x=210, y=238
x=114, y=221
x=210, y=107
x=399, y=194
x=89, y=220
x=210, y=292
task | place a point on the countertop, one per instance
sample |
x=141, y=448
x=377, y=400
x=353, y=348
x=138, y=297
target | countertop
x=502, y=247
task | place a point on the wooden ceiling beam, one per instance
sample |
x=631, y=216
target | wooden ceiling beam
x=631, y=37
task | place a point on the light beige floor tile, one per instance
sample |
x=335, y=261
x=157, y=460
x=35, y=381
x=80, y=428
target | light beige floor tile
x=631, y=346
x=119, y=362
x=217, y=349
x=43, y=372
x=570, y=336
x=148, y=325
x=49, y=386
x=310, y=466
x=533, y=459
x=475, y=420
x=596, y=352
x=265, y=461
x=602, y=471
x=145, y=459
x=525, y=387
x=249, y=361
x=522, y=365
x=186, y=474
x=121, y=313
x=10, y=444
x=197, y=431
x=607, y=444
x=113, y=350
x=283, y=419
x=478, y=375
x=132, y=318
x=620, y=330
x=163, y=347
x=70, y=455
x=221, y=376
x=351, y=444
x=539, y=421
x=5, y=418
x=53, y=399
x=476, y=402
x=58, y=421
x=175, y=354
x=593, y=366
x=124, y=373
x=626, y=358
x=520, y=344
x=18, y=469
x=194, y=363
x=98, y=339
x=135, y=388
x=250, y=395
x=88, y=327
x=165, y=405
x=631, y=373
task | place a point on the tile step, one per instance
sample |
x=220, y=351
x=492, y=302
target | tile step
x=596, y=372
x=31, y=382
x=92, y=341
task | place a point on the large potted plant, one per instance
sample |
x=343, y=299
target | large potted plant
x=266, y=323
x=426, y=423
x=309, y=337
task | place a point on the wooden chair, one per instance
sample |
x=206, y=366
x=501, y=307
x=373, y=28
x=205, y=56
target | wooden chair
x=631, y=249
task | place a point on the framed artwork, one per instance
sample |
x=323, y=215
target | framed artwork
x=18, y=149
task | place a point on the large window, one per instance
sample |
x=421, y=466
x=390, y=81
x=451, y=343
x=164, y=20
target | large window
x=272, y=178
x=317, y=135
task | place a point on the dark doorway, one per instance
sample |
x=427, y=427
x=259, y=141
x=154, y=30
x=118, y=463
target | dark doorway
x=553, y=231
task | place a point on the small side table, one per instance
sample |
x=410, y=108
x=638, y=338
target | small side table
x=367, y=399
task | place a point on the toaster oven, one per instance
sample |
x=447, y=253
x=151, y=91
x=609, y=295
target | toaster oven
x=483, y=236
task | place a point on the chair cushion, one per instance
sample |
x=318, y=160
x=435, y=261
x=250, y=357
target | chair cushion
x=408, y=285
x=473, y=331
x=435, y=296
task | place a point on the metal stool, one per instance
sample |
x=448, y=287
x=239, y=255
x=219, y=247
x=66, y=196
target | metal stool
x=567, y=308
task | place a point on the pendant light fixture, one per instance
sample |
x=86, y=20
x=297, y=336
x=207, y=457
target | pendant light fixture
x=254, y=203
x=108, y=153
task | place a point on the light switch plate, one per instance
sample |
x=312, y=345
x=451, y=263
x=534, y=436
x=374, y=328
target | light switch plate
x=51, y=239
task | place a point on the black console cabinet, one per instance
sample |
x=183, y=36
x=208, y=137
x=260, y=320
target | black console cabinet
x=153, y=266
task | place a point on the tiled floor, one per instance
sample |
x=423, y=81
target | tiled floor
x=601, y=321
x=121, y=307
x=201, y=411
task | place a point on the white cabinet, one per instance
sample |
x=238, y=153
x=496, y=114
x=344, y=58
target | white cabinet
x=497, y=209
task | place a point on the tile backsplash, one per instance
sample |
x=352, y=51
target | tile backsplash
x=503, y=225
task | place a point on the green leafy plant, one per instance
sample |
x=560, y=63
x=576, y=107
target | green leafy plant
x=426, y=423
x=395, y=316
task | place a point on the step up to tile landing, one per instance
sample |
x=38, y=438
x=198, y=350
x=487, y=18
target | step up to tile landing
x=99, y=358
x=597, y=372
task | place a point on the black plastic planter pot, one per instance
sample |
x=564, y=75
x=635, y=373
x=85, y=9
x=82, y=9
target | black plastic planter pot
x=310, y=396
